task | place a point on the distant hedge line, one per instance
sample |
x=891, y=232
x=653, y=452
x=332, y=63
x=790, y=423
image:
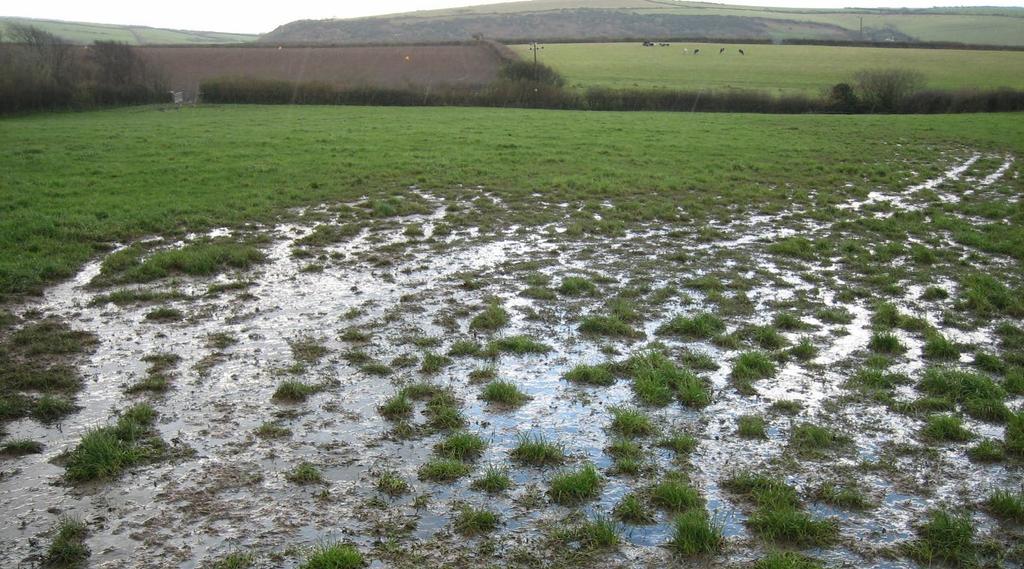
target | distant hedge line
x=525, y=93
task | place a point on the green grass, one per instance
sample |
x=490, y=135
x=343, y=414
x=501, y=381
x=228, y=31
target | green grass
x=774, y=68
x=810, y=440
x=462, y=348
x=295, y=391
x=632, y=509
x=577, y=286
x=204, y=258
x=946, y=537
x=675, y=494
x=680, y=443
x=596, y=533
x=986, y=451
x=21, y=447
x=504, y=393
x=495, y=480
x=433, y=363
x=1006, y=505
x=68, y=195
x=461, y=446
x=443, y=470
x=392, y=484
x=535, y=450
x=518, y=345
x=599, y=375
x=700, y=326
x=106, y=452
x=308, y=350
x=694, y=533
x=844, y=496
x=631, y=422
x=493, y=318
x=751, y=427
x=334, y=556
x=786, y=560
x=945, y=428
x=937, y=347
x=68, y=548
x=85, y=33
x=572, y=487
x=396, y=407
x=750, y=367
x=657, y=381
x=238, y=560
x=886, y=343
x=472, y=521
x=305, y=473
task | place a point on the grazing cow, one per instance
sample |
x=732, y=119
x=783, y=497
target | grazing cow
x=696, y=51
x=648, y=44
x=721, y=51
x=686, y=50
x=741, y=52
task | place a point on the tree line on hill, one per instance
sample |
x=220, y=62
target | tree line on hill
x=40, y=71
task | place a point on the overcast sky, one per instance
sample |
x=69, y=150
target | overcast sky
x=254, y=17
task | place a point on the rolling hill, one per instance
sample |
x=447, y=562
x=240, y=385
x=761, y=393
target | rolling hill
x=84, y=33
x=551, y=20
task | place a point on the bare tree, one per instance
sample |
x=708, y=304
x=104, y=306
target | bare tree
x=51, y=54
x=116, y=63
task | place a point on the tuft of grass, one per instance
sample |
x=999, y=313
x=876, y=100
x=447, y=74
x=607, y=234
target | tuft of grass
x=197, y=259
x=443, y=470
x=750, y=367
x=600, y=375
x=472, y=521
x=765, y=337
x=294, y=391
x=694, y=533
x=355, y=335
x=700, y=326
x=495, y=480
x=948, y=428
x=392, y=484
x=675, y=494
x=846, y=496
x=165, y=314
x=68, y=548
x=789, y=525
x=836, y=315
x=21, y=447
x=305, y=473
x=443, y=413
x=396, y=407
x=221, y=340
x=786, y=407
x=1006, y=505
x=51, y=337
x=751, y=427
x=986, y=451
x=108, y=451
x=236, y=560
x=504, y=393
x=788, y=322
x=334, y=556
x=886, y=343
x=461, y=446
x=680, y=443
x=461, y=348
x=613, y=326
x=811, y=440
x=493, y=318
x=536, y=450
x=482, y=374
x=804, y=350
x=786, y=560
x=539, y=293
x=633, y=509
x=433, y=363
x=270, y=430
x=308, y=350
x=657, y=381
x=934, y=293
x=577, y=286
x=630, y=422
x=945, y=538
x=937, y=347
x=152, y=383
x=599, y=532
x=518, y=345
x=571, y=487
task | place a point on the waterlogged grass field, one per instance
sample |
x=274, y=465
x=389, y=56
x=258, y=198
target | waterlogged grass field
x=333, y=337
x=773, y=68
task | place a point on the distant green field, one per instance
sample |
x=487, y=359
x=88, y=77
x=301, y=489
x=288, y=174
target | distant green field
x=83, y=33
x=72, y=183
x=775, y=68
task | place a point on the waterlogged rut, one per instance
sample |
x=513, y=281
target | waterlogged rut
x=364, y=316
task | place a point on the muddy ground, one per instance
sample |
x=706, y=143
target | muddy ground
x=371, y=307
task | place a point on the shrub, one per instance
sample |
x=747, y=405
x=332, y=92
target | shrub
x=884, y=90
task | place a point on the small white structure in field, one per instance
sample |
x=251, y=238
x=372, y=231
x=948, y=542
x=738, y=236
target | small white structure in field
x=178, y=97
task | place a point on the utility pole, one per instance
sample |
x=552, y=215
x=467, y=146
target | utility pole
x=862, y=28
x=535, y=48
